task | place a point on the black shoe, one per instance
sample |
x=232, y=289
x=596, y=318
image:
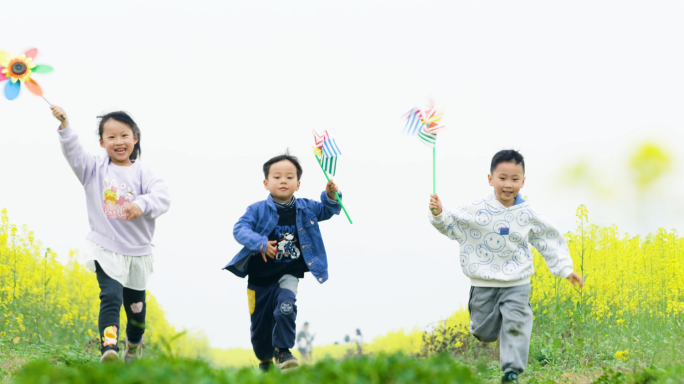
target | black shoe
x=510, y=377
x=285, y=360
x=265, y=366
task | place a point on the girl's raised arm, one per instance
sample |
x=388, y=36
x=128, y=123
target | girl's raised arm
x=82, y=163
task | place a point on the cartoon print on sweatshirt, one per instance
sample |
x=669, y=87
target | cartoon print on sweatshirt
x=485, y=255
x=495, y=242
x=551, y=233
x=482, y=217
x=487, y=274
x=527, y=272
x=509, y=267
x=288, y=249
x=522, y=255
x=538, y=230
x=495, y=210
x=523, y=218
x=540, y=244
x=462, y=226
x=115, y=199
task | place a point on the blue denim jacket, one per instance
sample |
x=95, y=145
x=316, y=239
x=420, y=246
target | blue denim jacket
x=260, y=220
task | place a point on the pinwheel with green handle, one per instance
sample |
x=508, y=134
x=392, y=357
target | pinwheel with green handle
x=326, y=151
x=425, y=124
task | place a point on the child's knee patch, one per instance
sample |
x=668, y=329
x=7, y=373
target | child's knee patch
x=137, y=307
x=289, y=282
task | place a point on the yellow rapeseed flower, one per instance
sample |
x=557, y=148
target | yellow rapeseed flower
x=622, y=355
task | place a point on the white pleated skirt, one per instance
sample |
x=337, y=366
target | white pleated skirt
x=132, y=272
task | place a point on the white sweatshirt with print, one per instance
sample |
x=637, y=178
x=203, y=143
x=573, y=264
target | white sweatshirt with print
x=495, y=241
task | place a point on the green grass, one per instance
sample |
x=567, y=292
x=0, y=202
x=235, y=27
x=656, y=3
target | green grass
x=570, y=354
x=382, y=369
x=672, y=374
x=14, y=356
x=42, y=363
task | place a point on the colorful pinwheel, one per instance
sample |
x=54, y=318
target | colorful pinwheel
x=326, y=151
x=18, y=70
x=425, y=124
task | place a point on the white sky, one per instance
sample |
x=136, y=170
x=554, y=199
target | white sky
x=219, y=87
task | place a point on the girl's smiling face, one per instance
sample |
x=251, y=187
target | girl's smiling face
x=507, y=179
x=118, y=139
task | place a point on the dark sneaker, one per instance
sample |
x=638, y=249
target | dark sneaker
x=285, y=360
x=264, y=367
x=510, y=377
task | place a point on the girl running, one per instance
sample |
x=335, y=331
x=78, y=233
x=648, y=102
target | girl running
x=123, y=198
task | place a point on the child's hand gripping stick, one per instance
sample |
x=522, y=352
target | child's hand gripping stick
x=60, y=115
x=331, y=190
x=435, y=205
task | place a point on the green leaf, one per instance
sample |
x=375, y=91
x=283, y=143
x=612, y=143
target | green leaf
x=557, y=343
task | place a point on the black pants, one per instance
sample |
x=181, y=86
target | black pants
x=112, y=295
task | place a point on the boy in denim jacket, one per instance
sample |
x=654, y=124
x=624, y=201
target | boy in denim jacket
x=281, y=242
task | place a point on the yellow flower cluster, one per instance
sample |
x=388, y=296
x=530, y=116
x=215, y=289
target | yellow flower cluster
x=622, y=355
x=626, y=278
x=43, y=299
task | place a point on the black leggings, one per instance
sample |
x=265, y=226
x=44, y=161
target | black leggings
x=112, y=295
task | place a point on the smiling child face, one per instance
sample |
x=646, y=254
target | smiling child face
x=118, y=139
x=507, y=179
x=282, y=181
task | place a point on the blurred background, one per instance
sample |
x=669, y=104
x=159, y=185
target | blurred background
x=589, y=91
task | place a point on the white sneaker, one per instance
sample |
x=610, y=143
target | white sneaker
x=108, y=356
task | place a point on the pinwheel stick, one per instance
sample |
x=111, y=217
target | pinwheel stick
x=336, y=195
x=434, y=177
x=46, y=100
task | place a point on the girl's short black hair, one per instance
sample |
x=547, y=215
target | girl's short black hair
x=507, y=156
x=122, y=117
x=286, y=156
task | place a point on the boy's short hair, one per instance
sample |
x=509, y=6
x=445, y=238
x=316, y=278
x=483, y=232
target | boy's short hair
x=506, y=156
x=286, y=156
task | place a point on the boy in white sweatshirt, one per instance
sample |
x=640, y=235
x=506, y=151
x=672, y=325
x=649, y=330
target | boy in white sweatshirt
x=495, y=234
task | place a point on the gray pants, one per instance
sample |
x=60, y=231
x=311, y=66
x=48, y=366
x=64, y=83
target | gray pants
x=506, y=314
